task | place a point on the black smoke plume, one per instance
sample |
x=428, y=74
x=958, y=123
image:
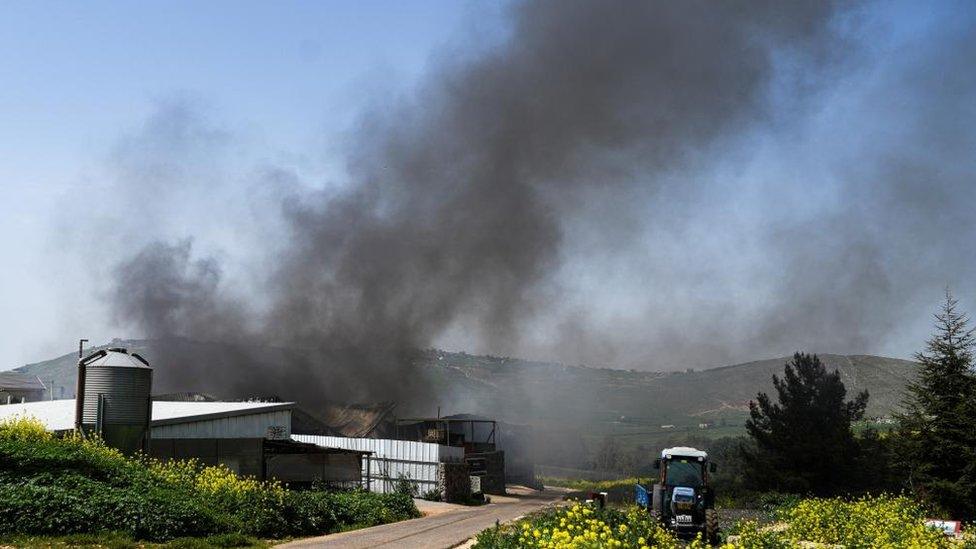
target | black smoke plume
x=566, y=143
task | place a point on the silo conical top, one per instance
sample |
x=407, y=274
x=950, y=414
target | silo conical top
x=115, y=357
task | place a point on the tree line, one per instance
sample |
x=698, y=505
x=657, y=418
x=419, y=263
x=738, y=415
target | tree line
x=804, y=441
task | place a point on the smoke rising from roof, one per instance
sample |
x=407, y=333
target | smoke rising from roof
x=640, y=184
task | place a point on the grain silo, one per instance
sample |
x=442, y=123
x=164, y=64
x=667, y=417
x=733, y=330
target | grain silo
x=114, y=398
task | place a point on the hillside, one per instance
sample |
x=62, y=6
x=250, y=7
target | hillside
x=640, y=403
x=541, y=393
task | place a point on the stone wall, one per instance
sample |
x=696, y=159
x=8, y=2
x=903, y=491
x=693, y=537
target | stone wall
x=453, y=482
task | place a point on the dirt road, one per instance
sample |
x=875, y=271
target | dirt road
x=447, y=526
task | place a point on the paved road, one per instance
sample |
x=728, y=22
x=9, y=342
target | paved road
x=447, y=528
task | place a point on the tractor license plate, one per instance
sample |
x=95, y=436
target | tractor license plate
x=684, y=519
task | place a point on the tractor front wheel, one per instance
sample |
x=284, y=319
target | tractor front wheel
x=711, y=526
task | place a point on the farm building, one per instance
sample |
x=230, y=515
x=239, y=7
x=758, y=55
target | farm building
x=475, y=436
x=428, y=467
x=251, y=438
x=329, y=419
x=18, y=387
x=497, y=452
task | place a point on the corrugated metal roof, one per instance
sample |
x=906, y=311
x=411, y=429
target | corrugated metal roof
x=165, y=413
x=59, y=415
x=186, y=396
x=356, y=420
x=16, y=381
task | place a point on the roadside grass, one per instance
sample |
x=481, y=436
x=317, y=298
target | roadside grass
x=620, y=492
x=591, y=485
x=119, y=540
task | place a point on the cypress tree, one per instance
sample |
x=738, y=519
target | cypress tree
x=938, y=430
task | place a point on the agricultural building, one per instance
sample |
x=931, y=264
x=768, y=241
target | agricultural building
x=427, y=466
x=251, y=438
x=18, y=387
x=477, y=437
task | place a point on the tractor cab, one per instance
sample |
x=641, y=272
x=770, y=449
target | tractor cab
x=682, y=498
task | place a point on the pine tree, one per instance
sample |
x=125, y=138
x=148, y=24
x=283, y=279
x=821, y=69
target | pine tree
x=938, y=429
x=804, y=443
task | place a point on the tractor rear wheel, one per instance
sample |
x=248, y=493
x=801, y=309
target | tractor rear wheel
x=711, y=526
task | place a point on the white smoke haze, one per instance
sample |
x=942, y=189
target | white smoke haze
x=638, y=185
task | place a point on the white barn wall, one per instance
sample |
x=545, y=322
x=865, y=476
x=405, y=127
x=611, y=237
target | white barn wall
x=254, y=425
x=418, y=461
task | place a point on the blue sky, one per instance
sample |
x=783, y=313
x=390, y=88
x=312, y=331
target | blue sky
x=77, y=76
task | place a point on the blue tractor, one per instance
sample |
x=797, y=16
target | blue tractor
x=682, y=498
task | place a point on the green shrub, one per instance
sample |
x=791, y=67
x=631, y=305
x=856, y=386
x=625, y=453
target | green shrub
x=56, y=486
x=73, y=503
x=883, y=521
x=774, y=502
x=866, y=522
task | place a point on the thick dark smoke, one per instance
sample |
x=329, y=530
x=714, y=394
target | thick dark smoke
x=590, y=127
x=165, y=275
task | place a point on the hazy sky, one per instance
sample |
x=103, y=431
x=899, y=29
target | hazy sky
x=77, y=78
x=814, y=191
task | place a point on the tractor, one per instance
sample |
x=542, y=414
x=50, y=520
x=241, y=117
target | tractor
x=682, y=498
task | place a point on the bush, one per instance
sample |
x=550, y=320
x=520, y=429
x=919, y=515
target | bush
x=581, y=526
x=56, y=486
x=71, y=503
x=867, y=522
x=883, y=521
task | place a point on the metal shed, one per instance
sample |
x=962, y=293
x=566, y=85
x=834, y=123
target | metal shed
x=389, y=460
x=18, y=387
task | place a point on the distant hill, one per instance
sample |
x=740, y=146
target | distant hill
x=528, y=392
x=537, y=391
